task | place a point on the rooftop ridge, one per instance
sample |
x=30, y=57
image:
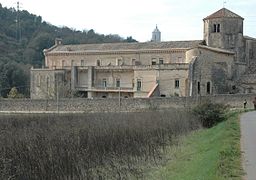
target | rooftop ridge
x=223, y=13
x=126, y=46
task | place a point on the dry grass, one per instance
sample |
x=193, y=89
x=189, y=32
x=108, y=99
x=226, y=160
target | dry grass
x=92, y=146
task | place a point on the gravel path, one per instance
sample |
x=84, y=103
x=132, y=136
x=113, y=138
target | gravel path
x=248, y=144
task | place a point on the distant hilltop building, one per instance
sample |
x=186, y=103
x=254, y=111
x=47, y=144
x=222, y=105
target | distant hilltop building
x=156, y=35
x=223, y=62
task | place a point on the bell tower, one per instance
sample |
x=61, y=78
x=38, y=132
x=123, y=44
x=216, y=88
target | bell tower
x=156, y=35
x=224, y=29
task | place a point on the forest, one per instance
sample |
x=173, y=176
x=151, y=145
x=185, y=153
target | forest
x=23, y=36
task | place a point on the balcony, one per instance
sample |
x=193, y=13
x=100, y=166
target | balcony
x=172, y=66
x=104, y=89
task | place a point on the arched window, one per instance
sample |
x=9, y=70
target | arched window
x=216, y=28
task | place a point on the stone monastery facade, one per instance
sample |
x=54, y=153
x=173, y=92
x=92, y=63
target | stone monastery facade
x=223, y=62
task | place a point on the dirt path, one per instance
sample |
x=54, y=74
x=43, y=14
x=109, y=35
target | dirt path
x=248, y=144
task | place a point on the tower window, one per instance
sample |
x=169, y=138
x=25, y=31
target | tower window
x=216, y=28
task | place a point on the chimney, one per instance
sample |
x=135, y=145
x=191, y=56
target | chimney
x=58, y=41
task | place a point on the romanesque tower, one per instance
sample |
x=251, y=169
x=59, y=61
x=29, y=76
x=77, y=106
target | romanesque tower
x=224, y=29
x=156, y=35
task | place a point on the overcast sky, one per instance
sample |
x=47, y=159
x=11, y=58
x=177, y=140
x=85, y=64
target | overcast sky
x=176, y=19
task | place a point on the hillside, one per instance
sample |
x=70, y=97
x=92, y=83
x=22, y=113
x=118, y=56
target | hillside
x=23, y=36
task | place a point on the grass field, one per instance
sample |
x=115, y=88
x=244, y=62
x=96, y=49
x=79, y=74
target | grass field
x=88, y=146
x=207, y=154
x=147, y=145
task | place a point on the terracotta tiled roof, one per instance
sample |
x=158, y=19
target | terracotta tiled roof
x=127, y=46
x=223, y=13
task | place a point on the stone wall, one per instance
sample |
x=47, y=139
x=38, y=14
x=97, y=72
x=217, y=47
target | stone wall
x=213, y=67
x=113, y=105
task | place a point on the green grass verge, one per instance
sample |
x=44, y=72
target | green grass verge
x=208, y=154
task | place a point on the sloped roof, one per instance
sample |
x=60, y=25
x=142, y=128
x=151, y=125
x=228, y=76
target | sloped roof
x=249, y=38
x=223, y=13
x=156, y=30
x=217, y=49
x=126, y=46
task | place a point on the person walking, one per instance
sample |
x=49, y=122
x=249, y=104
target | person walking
x=254, y=103
x=245, y=103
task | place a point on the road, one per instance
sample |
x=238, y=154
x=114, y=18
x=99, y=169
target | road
x=248, y=144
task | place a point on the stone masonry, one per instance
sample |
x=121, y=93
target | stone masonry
x=223, y=62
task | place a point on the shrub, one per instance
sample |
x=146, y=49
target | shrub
x=210, y=114
x=14, y=93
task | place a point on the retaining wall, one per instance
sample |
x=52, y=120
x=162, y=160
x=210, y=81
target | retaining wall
x=125, y=104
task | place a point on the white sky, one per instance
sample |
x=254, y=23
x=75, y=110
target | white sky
x=176, y=19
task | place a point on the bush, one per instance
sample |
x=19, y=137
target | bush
x=14, y=93
x=210, y=114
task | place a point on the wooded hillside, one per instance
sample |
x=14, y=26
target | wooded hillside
x=23, y=36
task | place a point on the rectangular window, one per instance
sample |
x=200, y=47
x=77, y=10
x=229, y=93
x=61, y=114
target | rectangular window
x=38, y=79
x=117, y=83
x=63, y=63
x=161, y=61
x=133, y=61
x=208, y=88
x=72, y=63
x=82, y=63
x=53, y=64
x=47, y=85
x=104, y=83
x=119, y=62
x=153, y=61
x=250, y=54
x=216, y=28
x=98, y=62
x=137, y=63
x=177, y=84
x=198, y=87
x=139, y=84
